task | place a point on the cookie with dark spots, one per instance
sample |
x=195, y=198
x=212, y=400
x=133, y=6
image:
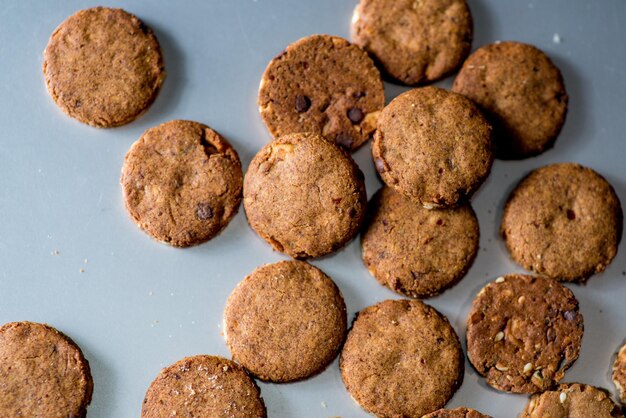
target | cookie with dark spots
x=203, y=386
x=563, y=221
x=182, y=183
x=523, y=333
x=324, y=85
x=456, y=413
x=304, y=195
x=103, y=67
x=522, y=93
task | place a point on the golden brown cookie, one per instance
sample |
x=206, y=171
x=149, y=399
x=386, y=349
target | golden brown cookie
x=619, y=374
x=182, y=182
x=285, y=321
x=414, y=41
x=203, y=386
x=325, y=85
x=416, y=251
x=456, y=413
x=401, y=359
x=563, y=221
x=522, y=93
x=304, y=195
x=523, y=333
x=43, y=373
x=103, y=67
x=572, y=400
x=433, y=146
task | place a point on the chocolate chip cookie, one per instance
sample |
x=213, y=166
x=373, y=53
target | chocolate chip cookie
x=619, y=374
x=456, y=413
x=572, y=400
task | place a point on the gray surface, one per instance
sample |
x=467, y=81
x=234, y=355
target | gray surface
x=139, y=305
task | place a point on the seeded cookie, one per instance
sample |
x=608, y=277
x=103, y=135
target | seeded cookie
x=103, y=67
x=304, y=195
x=619, y=374
x=203, y=386
x=523, y=333
x=433, y=146
x=522, y=93
x=416, y=251
x=572, y=400
x=563, y=221
x=182, y=182
x=456, y=413
x=325, y=85
x=401, y=358
x=414, y=41
x=43, y=373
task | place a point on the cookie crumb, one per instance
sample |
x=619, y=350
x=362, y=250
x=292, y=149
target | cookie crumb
x=324, y=404
x=57, y=252
x=81, y=270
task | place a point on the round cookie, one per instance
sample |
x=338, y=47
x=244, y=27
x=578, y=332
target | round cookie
x=456, y=413
x=523, y=333
x=619, y=374
x=304, y=195
x=286, y=321
x=103, y=67
x=572, y=400
x=401, y=358
x=414, y=42
x=203, y=386
x=416, y=251
x=182, y=182
x=563, y=221
x=433, y=146
x=522, y=93
x=325, y=85
x=43, y=373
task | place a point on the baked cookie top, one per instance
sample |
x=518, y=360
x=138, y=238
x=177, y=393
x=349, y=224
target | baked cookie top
x=619, y=374
x=456, y=413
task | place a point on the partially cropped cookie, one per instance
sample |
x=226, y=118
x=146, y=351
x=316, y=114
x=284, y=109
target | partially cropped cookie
x=619, y=374
x=416, y=251
x=572, y=400
x=523, y=333
x=433, y=146
x=414, y=41
x=522, y=93
x=401, y=358
x=103, y=67
x=456, y=413
x=325, y=85
x=563, y=221
x=203, y=386
x=43, y=373
x=285, y=321
x=304, y=195
x=182, y=182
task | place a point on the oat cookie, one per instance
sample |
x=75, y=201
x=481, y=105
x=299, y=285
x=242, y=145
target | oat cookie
x=619, y=374
x=456, y=413
x=572, y=400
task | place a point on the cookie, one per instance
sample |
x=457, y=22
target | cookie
x=563, y=221
x=523, y=333
x=433, y=146
x=414, y=41
x=304, y=195
x=43, y=373
x=285, y=321
x=103, y=67
x=324, y=85
x=401, y=358
x=572, y=400
x=619, y=374
x=456, y=413
x=522, y=93
x=416, y=251
x=182, y=183
x=203, y=386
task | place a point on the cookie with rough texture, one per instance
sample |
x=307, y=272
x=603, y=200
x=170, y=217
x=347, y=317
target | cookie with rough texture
x=563, y=221
x=619, y=374
x=523, y=333
x=43, y=373
x=182, y=182
x=456, y=413
x=203, y=386
x=286, y=321
x=401, y=358
x=325, y=85
x=416, y=251
x=304, y=195
x=414, y=41
x=433, y=146
x=572, y=400
x=522, y=93
x=103, y=67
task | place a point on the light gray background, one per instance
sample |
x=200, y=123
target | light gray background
x=139, y=305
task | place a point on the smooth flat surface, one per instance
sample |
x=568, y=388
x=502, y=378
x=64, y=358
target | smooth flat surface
x=139, y=306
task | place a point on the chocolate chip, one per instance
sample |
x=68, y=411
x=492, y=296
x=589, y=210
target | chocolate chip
x=344, y=140
x=380, y=165
x=204, y=211
x=569, y=315
x=355, y=115
x=303, y=103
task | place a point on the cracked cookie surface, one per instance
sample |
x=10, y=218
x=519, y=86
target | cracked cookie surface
x=572, y=400
x=456, y=413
